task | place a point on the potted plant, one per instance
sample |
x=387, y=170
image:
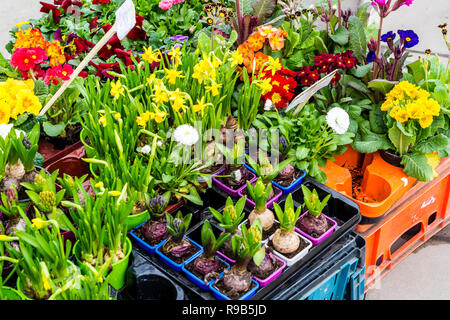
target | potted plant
x=270, y=268
x=178, y=248
x=313, y=224
x=232, y=178
x=286, y=242
x=9, y=211
x=101, y=231
x=17, y=159
x=43, y=257
x=207, y=265
x=152, y=233
x=229, y=219
x=237, y=283
x=260, y=193
x=7, y=293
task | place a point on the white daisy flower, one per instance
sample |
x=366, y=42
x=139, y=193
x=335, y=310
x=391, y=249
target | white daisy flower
x=146, y=149
x=186, y=135
x=338, y=119
x=268, y=105
x=6, y=128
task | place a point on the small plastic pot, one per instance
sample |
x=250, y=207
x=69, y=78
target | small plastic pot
x=230, y=191
x=274, y=275
x=116, y=278
x=326, y=234
x=176, y=266
x=298, y=256
x=220, y=296
x=192, y=277
x=141, y=243
x=134, y=220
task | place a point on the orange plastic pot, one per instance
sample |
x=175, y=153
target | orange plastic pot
x=381, y=181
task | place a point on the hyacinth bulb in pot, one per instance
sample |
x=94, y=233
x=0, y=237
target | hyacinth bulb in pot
x=153, y=232
x=178, y=248
x=9, y=211
x=313, y=224
x=207, y=265
x=232, y=178
x=229, y=219
x=286, y=242
x=17, y=158
x=237, y=283
x=260, y=194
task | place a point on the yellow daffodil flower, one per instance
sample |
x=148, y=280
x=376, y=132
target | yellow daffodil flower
x=117, y=89
x=172, y=75
x=151, y=56
x=214, y=88
x=38, y=223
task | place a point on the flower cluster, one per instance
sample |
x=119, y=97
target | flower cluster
x=385, y=7
x=324, y=64
x=216, y=14
x=34, y=56
x=281, y=88
x=17, y=97
x=407, y=101
x=253, y=58
x=167, y=4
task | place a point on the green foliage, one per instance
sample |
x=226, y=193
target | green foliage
x=358, y=41
x=177, y=226
x=209, y=241
x=259, y=193
x=231, y=215
x=312, y=201
x=249, y=246
x=289, y=216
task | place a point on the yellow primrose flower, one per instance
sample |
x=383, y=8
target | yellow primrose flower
x=431, y=107
x=151, y=56
x=414, y=110
x=117, y=89
x=426, y=121
x=214, y=88
x=172, y=75
x=38, y=223
x=402, y=115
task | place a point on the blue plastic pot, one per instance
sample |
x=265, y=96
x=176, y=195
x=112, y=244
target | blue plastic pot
x=192, y=277
x=176, y=266
x=220, y=296
x=144, y=245
x=285, y=190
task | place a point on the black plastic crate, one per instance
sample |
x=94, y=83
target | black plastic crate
x=340, y=208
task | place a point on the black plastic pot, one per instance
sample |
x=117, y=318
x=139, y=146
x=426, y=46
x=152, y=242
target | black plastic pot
x=391, y=158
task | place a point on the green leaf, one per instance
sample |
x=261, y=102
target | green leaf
x=416, y=166
x=381, y=85
x=259, y=256
x=53, y=130
x=358, y=41
x=372, y=143
x=400, y=141
x=341, y=36
x=263, y=9
x=436, y=143
x=362, y=71
x=376, y=119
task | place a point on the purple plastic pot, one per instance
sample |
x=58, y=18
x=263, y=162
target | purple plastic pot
x=251, y=204
x=316, y=241
x=228, y=190
x=225, y=257
x=273, y=276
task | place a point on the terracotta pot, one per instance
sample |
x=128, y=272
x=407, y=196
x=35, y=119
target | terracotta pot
x=70, y=165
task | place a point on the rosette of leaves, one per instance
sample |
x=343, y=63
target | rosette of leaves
x=264, y=168
x=9, y=207
x=178, y=225
x=70, y=183
x=314, y=222
x=285, y=240
x=231, y=215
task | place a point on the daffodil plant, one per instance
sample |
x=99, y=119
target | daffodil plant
x=43, y=257
x=101, y=224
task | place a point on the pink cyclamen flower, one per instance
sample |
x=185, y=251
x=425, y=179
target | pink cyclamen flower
x=166, y=4
x=177, y=1
x=378, y=2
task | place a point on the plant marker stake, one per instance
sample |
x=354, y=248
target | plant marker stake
x=125, y=21
x=302, y=99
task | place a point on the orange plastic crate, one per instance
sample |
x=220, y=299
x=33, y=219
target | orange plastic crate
x=418, y=215
x=381, y=181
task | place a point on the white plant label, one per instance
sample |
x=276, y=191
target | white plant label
x=405, y=181
x=125, y=19
x=302, y=99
